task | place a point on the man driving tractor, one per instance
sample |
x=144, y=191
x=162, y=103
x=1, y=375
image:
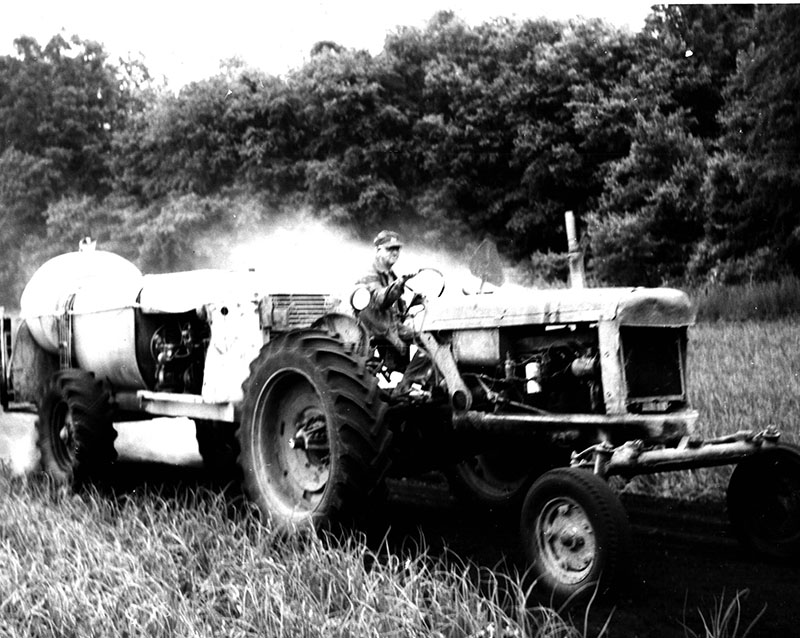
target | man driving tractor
x=385, y=316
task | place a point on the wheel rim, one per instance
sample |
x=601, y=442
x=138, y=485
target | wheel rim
x=62, y=435
x=566, y=540
x=292, y=441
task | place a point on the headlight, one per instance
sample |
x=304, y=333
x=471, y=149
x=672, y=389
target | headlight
x=360, y=298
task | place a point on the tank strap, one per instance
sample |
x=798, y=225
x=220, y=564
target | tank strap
x=65, y=335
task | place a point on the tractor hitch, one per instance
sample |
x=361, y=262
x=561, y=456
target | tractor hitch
x=632, y=458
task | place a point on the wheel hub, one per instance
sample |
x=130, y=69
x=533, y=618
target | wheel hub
x=566, y=540
x=63, y=428
x=308, y=450
x=310, y=435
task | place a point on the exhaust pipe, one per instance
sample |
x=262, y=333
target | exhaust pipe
x=577, y=278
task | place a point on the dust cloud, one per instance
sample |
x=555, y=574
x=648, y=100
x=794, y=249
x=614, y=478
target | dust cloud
x=299, y=253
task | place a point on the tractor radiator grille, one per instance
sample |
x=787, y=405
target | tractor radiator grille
x=653, y=363
x=290, y=311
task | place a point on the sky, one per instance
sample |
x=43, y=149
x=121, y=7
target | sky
x=185, y=40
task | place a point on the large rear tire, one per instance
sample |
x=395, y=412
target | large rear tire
x=347, y=328
x=575, y=534
x=313, y=443
x=763, y=501
x=75, y=428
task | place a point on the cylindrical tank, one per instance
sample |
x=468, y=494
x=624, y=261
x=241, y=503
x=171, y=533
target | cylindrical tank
x=100, y=290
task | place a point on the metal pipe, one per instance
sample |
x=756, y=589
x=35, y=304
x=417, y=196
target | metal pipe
x=630, y=463
x=673, y=425
x=577, y=278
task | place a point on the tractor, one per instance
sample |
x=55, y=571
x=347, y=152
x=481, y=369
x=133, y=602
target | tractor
x=532, y=400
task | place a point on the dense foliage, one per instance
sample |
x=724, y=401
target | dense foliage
x=675, y=146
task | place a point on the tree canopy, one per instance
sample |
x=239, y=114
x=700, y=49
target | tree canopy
x=676, y=145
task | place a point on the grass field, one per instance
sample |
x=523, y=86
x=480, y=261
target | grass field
x=151, y=565
x=145, y=565
x=746, y=375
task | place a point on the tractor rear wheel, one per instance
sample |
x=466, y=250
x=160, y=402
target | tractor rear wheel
x=75, y=428
x=348, y=329
x=575, y=533
x=313, y=442
x=763, y=500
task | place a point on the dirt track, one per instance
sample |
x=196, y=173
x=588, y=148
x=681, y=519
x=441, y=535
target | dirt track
x=682, y=558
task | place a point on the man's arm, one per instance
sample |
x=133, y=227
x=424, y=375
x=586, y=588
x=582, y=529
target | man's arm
x=384, y=296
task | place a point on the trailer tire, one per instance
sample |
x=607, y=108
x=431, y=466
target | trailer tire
x=314, y=446
x=218, y=447
x=763, y=500
x=75, y=428
x=575, y=534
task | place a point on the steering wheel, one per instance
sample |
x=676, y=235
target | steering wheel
x=427, y=281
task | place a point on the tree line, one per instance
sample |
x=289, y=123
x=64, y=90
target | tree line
x=676, y=146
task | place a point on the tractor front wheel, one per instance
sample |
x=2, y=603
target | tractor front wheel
x=575, y=534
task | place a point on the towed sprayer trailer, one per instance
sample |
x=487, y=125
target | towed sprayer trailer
x=531, y=399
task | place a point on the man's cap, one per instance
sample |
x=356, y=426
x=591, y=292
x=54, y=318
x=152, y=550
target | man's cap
x=387, y=239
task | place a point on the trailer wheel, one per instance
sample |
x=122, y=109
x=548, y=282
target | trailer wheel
x=218, y=447
x=763, y=500
x=313, y=442
x=575, y=534
x=75, y=428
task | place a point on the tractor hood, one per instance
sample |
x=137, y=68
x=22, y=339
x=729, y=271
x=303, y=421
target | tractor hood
x=628, y=306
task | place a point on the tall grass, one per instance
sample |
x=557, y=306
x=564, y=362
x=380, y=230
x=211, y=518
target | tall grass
x=746, y=375
x=91, y=565
x=724, y=620
x=145, y=565
x=761, y=301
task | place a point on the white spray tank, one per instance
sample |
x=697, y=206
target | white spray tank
x=99, y=289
